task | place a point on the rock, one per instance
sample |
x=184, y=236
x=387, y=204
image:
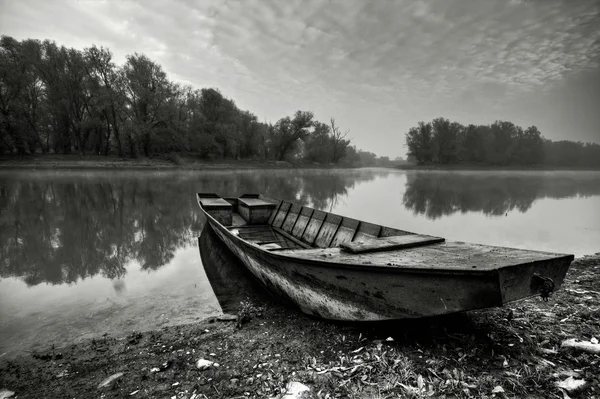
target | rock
x=498, y=389
x=295, y=390
x=109, y=380
x=5, y=393
x=204, y=364
x=571, y=384
x=586, y=346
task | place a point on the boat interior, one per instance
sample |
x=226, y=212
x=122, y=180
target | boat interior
x=277, y=225
x=306, y=233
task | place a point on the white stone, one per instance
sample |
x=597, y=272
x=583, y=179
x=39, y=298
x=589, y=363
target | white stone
x=204, y=364
x=295, y=390
x=5, y=393
x=571, y=384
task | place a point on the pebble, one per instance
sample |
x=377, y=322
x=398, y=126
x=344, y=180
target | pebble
x=295, y=390
x=572, y=384
x=204, y=364
x=5, y=393
x=110, y=379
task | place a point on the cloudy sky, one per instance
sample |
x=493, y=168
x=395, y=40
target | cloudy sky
x=378, y=67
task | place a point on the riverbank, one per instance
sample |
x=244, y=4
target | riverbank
x=484, y=168
x=509, y=352
x=170, y=161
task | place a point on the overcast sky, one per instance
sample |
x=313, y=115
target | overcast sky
x=378, y=67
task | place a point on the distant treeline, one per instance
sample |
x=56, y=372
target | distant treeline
x=500, y=144
x=55, y=99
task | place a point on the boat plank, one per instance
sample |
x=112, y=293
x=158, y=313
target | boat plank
x=367, y=230
x=302, y=222
x=293, y=239
x=328, y=230
x=390, y=243
x=313, y=227
x=281, y=214
x=291, y=218
x=346, y=232
x=458, y=256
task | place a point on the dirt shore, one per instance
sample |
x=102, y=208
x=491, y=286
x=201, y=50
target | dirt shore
x=502, y=353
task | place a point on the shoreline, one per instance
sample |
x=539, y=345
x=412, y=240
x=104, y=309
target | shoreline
x=485, y=168
x=157, y=163
x=183, y=162
x=511, y=351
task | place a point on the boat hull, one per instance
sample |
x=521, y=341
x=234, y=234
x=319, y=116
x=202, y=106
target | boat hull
x=351, y=294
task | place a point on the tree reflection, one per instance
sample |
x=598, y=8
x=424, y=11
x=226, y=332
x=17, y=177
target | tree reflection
x=59, y=227
x=436, y=194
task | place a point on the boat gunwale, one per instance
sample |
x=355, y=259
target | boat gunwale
x=383, y=268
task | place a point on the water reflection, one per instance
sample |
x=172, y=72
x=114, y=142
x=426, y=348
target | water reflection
x=437, y=194
x=63, y=226
x=60, y=232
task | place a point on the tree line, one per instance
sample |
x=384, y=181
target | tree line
x=501, y=143
x=55, y=99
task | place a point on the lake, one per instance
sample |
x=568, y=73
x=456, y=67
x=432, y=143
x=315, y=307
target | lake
x=88, y=252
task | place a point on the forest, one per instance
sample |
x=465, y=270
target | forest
x=501, y=143
x=62, y=100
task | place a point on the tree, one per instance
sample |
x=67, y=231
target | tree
x=109, y=103
x=146, y=90
x=318, y=145
x=528, y=148
x=418, y=141
x=339, y=142
x=444, y=142
x=287, y=132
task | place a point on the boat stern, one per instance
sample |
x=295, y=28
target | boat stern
x=542, y=278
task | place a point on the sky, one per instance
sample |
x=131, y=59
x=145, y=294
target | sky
x=377, y=67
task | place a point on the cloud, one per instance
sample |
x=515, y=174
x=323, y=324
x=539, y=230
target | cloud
x=276, y=56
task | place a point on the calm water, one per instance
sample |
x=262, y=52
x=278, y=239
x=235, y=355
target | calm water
x=88, y=252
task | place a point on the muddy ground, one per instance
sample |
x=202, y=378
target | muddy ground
x=503, y=353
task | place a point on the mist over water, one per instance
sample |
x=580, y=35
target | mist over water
x=87, y=252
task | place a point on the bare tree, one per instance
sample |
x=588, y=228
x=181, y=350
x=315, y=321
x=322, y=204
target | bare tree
x=339, y=142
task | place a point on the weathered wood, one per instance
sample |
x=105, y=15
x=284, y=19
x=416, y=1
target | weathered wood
x=447, y=256
x=217, y=208
x=368, y=244
x=292, y=238
x=367, y=230
x=272, y=218
x=400, y=282
x=254, y=210
x=313, y=227
x=302, y=222
x=291, y=218
x=328, y=230
x=345, y=232
x=281, y=214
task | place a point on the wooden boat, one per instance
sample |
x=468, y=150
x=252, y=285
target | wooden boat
x=340, y=268
x=231, y=282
